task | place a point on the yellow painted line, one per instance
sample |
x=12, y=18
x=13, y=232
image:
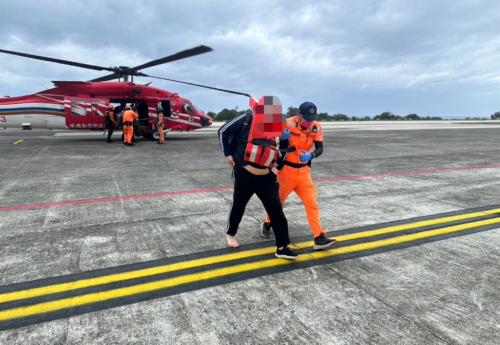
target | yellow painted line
x=417, y=225
x=84, y=283
x=17, y=142
x=221, y=272
x=131, y=275
x=31, y=142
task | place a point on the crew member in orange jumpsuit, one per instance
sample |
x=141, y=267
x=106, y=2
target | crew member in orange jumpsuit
x=294, y=170
x=128, y=125
x=160, y=125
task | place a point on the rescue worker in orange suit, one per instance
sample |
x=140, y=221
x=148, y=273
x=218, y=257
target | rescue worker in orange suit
x=160, y=124
x=123, y=109
x=110, y=121
x=294, y=170
x=129, y=118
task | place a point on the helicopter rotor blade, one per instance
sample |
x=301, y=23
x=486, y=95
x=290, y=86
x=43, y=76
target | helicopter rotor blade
x=120, y=72
x=107, y=77
x=178, y=56
x=207, y=87
x=64, y=62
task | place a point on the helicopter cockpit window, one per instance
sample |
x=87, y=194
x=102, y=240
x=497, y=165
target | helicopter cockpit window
x=78, y=108
x=187, y=108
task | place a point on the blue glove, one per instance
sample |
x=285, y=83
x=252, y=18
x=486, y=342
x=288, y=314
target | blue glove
x=285, y=135
x=305, y=157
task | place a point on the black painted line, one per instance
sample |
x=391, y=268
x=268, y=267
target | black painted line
x=182, y=288
x=225, y=251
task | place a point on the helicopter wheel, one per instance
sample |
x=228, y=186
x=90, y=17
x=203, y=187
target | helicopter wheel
x=154, y=135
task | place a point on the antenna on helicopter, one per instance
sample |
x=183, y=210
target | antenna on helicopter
x=43, y=85
x=124, y=72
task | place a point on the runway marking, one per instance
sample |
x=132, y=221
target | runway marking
x=64, y=203
x=17, y=142
x=6, y=297
x=31, y=309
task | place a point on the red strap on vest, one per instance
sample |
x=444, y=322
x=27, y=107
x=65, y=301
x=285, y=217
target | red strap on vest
x=268, y=123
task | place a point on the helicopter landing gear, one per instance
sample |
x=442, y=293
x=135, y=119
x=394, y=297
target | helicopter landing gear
x=154, y=135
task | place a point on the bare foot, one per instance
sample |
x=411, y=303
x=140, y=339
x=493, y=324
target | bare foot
x=231, y=241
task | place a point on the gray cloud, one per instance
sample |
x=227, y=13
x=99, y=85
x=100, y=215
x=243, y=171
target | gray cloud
x=435, y=58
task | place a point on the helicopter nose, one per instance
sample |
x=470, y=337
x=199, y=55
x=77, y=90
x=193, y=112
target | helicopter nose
x=206, y=120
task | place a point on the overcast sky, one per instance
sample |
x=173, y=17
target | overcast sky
x=357, y=57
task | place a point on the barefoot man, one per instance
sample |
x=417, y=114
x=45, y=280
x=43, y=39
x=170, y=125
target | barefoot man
x=250, y=151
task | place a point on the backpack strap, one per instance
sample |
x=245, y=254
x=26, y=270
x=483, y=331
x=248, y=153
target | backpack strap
x=248, y=118
x=234, y=140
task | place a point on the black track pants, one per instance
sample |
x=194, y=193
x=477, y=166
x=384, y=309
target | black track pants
x=266, y=187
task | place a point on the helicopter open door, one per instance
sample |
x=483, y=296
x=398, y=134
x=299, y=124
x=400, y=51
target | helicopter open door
x=167, y=110
x=85, y=113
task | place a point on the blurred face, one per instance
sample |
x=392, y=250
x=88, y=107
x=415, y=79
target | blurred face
x=303, y=122
x=269, y=117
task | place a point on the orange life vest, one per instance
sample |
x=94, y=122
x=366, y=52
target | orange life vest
x=261, y=149
x=302, y=139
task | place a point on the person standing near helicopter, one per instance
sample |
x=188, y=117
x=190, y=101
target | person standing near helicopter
x=129, y=118
x=110, y=122
x=123, y=108
x=160, y=125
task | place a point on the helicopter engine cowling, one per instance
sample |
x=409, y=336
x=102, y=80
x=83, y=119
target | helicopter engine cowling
x=205, y=120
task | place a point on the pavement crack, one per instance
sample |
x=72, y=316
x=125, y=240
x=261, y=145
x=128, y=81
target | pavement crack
x=486, y=212
x=34, y=153
x=436, y=258
x=443, y=202
x=253, y=217
x=79, y=256
x=119, y=192
x=128, y=222
x=117, y=187
x=198, y=183
x=409, y=319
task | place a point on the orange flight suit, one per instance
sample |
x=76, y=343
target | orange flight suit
x=160, y=128
x=299, y=179
x=128, y=125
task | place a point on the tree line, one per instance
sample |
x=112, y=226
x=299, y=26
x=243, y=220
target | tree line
x=229, y=114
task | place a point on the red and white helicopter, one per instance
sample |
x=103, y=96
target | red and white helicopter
x=81, y=105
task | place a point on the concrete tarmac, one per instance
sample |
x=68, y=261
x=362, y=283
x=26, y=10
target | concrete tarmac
x=107, y=244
